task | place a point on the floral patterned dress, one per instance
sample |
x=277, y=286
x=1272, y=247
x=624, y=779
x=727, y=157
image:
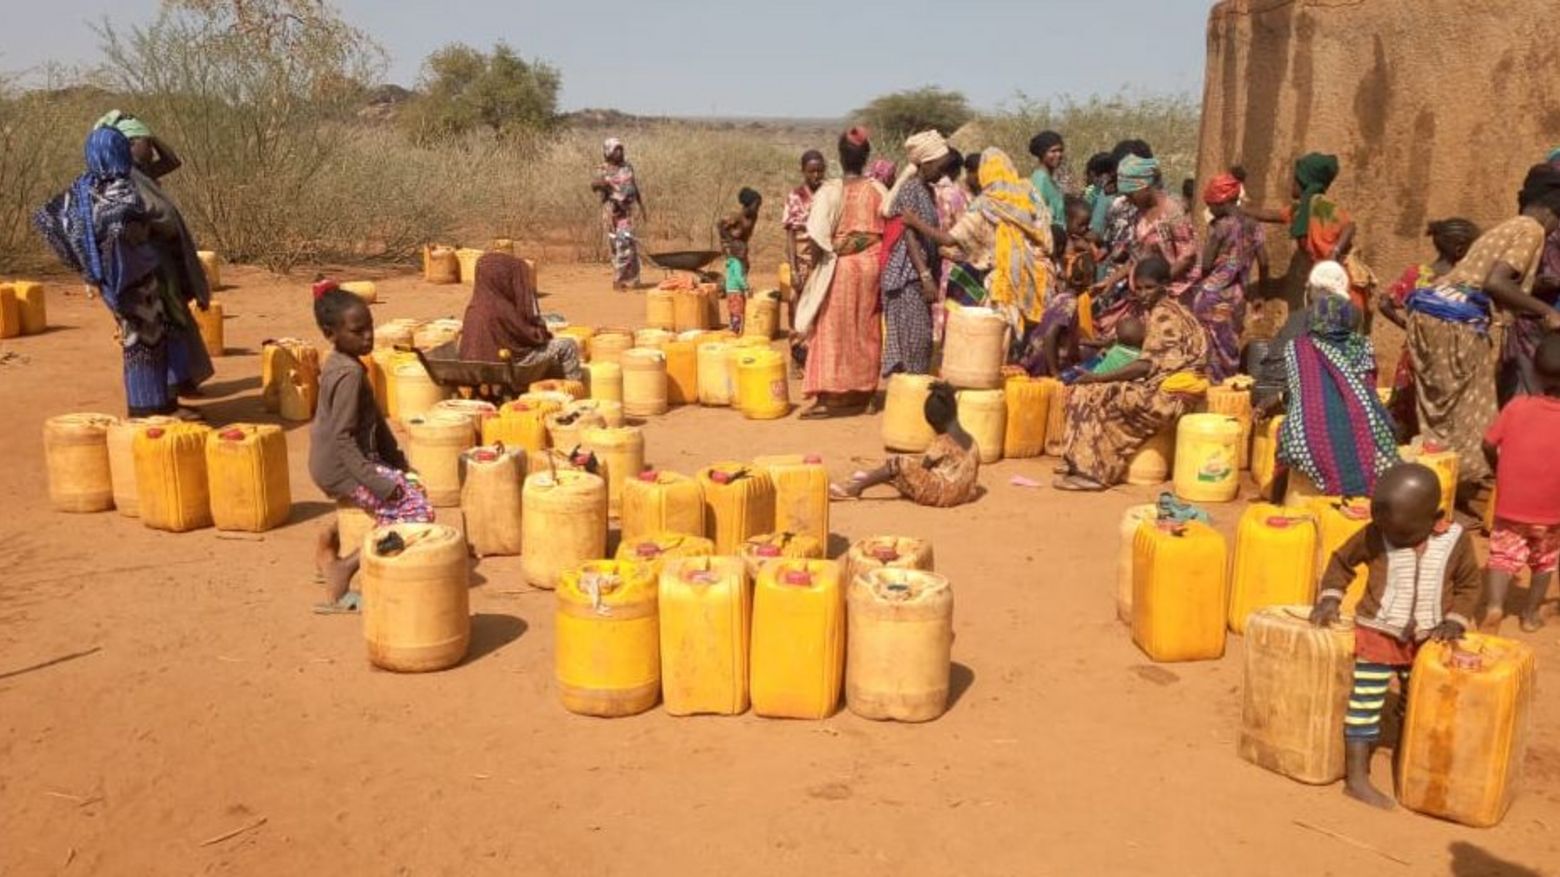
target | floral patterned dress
x=1107, y=423
x=1219, y=297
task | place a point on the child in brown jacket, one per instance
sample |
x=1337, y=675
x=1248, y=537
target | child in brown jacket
x=1424, y=581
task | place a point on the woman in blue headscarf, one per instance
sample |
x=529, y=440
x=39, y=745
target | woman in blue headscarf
x=100, y=228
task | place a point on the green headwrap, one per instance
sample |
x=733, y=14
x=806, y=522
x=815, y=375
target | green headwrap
x=1554, y=155
x=1136, y=173
x=1314, y=172
x=124, y=123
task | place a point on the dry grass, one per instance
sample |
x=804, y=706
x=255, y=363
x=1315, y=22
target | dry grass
x=374, y=197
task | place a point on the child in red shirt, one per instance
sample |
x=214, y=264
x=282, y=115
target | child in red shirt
x=1520, y=447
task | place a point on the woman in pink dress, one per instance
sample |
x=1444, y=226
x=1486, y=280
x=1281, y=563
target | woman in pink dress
x=840, y=309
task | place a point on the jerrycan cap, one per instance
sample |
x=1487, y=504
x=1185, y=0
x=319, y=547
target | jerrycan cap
x=649, y=476
x=767, y=550
x=484, y=455
x=813, y=459
x=155, y=432
x=885, y=553
x=1282, y=521
x=798, y=577
x=231, y=434
x=1431, y=446
x=1462, y=659
x=647, y=550
x=720, y=476
x=700, y=576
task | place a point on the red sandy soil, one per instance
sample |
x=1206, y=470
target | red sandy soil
x=216, y=700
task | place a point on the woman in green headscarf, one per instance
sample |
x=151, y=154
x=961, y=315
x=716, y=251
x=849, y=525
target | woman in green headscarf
x=189, y=363
x=1321, y=228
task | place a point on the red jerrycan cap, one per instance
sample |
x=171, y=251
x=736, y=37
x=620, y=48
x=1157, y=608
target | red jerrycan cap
x=1281, y=521
x=484, y=455
x=647, y=550
x=231, y=434
x=155, y=432
x=720, y=476
x=813, y=459
x=799, y=577
x=768, y=550
x=1431, y=446
x=884, y=553
x=700, y=577
x=649, y=476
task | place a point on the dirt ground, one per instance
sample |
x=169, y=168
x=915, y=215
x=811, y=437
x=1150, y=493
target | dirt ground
x=213, y=701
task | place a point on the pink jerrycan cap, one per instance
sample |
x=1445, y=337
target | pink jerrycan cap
x=649, y=476
x=813, y=459
x=484, y=455
x=231, y=434
x=798, y=577
x=648, y=550
x=700, y=576
x=767, y=550
x=1431, y=446
x=884, y=553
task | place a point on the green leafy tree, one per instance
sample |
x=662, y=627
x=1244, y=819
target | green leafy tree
x=464, y=89
x=896, y=116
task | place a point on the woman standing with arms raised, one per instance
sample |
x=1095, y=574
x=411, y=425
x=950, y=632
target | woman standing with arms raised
x=101, y=229
x=838, y=311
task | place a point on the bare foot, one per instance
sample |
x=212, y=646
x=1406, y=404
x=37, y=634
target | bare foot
x=327, y=547
x=338, y=576
x=1491, y=622
x=1366, y=793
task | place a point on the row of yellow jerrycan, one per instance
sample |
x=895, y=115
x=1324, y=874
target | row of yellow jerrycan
x=24, y=309
x=444, y=264
x=651, y=370
x=1463, y=739
x=173, y=475
x=1010, y=421
x=1178, y=589
x=677, y=310
x=560, y=519
x=705, y=636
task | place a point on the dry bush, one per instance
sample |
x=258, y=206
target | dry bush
x=41, y=137
x=1168, y=122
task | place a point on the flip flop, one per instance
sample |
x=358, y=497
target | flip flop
x=348, y=604
x=838, y=494
x=1077, y=484
x=817, y=412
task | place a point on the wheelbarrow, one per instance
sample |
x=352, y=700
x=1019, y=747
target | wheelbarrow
x=496, y=381
x=693, y=261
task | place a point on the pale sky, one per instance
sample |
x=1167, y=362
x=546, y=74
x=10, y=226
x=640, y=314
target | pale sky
x=811, y=58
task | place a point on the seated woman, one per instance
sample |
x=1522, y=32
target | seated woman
x=1336, y=432
x=503, y=321
x=944, y=476
x=1111, y=415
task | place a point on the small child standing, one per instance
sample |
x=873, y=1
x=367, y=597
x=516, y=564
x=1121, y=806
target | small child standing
x=353, y=456
x=944, y=476
x=1130, y=335
x=1519, y=445
x=1423, y=581
x=736, y=230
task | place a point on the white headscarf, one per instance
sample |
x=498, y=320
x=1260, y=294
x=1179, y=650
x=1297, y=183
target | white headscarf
x=921, y=149
x=1327, y=278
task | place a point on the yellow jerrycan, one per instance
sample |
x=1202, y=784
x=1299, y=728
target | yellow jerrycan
x=474, y=410
x=611, y=413
x=656, y=549
x=491, y=479
x=689, y=311
x=798, y=656
x=715, y=390
x=605, y=380
x=436, y=441
x=1443, y=462
x=575, y=390
x=739, y=502
x=563, y=523
x=762, y=390
x=607, y=638
x=983, y=414
x=644, y=382
x=706, y=616
x=246, y=468
x=1275, y=561
x=760, y=551
x=280, y=358
x=416, y=605
x=1264, y=456
x=1232, y=398
x=660, y=310
x=1296, y=693
x=1056, y=422
x=1337, y=520
x=895, y=552
x=661, y=502
x=32, y=306
x=170, y=477
x=1180, y=585
x=1152, y=462
x=1465, y=736
x=621, y=453
x=761, y=315
x=652, y=338
x=415, y=391
x=519, y=425
x=1126, y=558
x=974, y=348
x=801, y=493
x=121, y=460
x=1205, y=458
x=899, y=646
x=682, y=372
x=566, y=428
x=609, y=344
x=208, y=323
x=904, y=413
x=1028, y=410
x=75, y=450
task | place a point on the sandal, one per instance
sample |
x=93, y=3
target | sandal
x=817, y=412
x=1078, y=484
x=347, y=604
x=840, y=494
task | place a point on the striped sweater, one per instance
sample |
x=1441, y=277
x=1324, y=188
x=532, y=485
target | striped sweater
x=1408, y=592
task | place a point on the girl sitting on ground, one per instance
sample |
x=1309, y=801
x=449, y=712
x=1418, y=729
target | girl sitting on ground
x=944, y=476
x=353, y=456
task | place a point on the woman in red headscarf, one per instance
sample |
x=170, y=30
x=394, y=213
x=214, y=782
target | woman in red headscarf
x=1232, y=258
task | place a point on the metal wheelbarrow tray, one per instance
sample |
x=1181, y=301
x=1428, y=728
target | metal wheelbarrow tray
x=447, y=370
x=683, y=260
